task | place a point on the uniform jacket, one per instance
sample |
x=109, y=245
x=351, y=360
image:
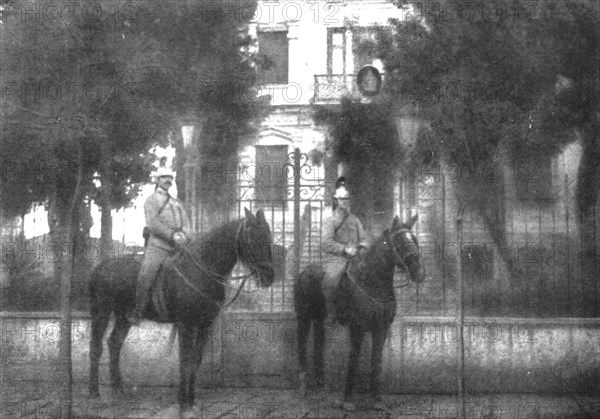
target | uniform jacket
x=162, y=226
x=339, y=232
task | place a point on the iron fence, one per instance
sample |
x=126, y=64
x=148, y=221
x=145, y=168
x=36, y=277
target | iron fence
x=545, y=268
x=539, y=272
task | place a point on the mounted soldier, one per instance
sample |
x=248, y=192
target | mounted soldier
x=167, y=229
x=343, y=237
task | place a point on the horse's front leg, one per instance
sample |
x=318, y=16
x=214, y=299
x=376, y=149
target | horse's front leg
x=186, y=366
x=302, y=331
x=378, y=339
x=115, y=343
x=319, y=351
x=200, y=338
x=99, y=323
x=356, y=338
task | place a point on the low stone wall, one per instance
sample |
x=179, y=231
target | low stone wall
x=259, y=350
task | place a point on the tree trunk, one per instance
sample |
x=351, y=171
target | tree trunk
x=361, y=186
x=106, y=227
x=588, y=184
x=217, y=193
x=179, y=162
x=64, y=356
x=85, y=256
x=488, y=199
x=60, y=250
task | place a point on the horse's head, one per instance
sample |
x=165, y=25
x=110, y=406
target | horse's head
x=256, y=246
x=404, y=248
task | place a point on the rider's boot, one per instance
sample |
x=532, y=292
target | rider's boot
x=141, y=297
x=330, y=316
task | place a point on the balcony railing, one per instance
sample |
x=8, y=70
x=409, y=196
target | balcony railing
x=331, y=88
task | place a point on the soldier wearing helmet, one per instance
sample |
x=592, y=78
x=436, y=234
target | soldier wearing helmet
x=169, y=229
x=343, y=235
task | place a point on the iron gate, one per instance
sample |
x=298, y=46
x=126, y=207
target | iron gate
x=292, y=195
x=543, y=240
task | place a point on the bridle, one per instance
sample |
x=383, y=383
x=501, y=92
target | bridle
x=242, y=233
x=388, y=240
x=398, y=258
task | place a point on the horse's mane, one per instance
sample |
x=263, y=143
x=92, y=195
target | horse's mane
x=368, y=264
x=372, y=249
x=362, y=265
x=214, y=235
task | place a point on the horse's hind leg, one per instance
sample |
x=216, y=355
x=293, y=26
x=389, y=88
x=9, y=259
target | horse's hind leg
x=99, y=323
x=303, y=329
x=187, y=360
x=115, y=343
x=319, y=351
x=378, y=339
x=356, y=338
x=201, y=336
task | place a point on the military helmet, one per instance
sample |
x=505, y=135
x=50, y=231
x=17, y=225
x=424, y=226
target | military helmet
x=341, y=193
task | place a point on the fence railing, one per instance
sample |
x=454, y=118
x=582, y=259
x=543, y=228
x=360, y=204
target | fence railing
x=539, y=272
x=543, y=270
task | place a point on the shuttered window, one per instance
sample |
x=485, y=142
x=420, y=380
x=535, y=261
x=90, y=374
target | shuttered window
x=271, y=175
x=273, y=47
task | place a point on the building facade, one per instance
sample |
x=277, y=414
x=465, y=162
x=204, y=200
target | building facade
x=314, y=51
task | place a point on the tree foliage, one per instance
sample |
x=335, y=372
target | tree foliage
x=488, y=77
x=490, y=74
x=127, y=73
x=364, y=137
x=95, y=85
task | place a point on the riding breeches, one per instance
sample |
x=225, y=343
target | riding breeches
x=153, y=259
x=334, y=268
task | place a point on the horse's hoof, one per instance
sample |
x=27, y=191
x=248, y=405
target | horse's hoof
x=348, y=407
x=188, y=414
x=381, y=406
x=302, y=389
x=118, y=391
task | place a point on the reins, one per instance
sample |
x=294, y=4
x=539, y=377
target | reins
x=220, y=306
x=360, y=289
x=212, y=274
x=237, y=256
x=397, y=257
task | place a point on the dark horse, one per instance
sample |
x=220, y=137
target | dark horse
x=194, y=291
x=364, y=301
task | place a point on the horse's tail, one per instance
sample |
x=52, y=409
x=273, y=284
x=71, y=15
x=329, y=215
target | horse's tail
x=308, y=293
x=100, y=298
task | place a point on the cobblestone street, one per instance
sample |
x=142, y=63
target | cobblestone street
x=30, y=400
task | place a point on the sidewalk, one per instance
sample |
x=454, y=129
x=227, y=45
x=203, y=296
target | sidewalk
x=255, y=403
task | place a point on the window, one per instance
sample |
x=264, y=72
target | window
x=533, y=178
x=336, y=51
x=273, y=47
x=271, y=175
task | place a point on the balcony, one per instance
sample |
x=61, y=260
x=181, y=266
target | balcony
x=329, y=89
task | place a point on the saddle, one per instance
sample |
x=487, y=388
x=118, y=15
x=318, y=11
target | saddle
x=361, y=302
